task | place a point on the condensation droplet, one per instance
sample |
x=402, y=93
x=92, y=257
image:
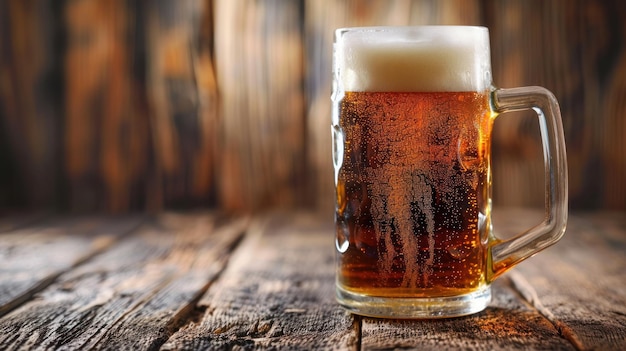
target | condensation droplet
x=342, y=240
x=467, y=151
x=337, y=149
x=482, y=220
x=459, y=252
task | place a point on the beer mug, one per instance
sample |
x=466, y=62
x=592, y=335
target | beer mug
x=412, y=115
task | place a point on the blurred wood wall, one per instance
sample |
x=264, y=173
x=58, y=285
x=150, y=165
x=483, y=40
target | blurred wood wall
x=120, y=105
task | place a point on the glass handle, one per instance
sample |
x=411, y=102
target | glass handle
x=504, y=254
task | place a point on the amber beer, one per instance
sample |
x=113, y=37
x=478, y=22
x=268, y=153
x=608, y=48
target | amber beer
x=411, y=192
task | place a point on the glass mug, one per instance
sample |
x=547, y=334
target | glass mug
x=413, y=109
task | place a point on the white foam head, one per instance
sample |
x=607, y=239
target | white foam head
x=413, y=59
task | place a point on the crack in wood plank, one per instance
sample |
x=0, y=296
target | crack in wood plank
x=526, y=291
x=138, y=303
x=190, y=312
x=193, y=312
x=357, y=324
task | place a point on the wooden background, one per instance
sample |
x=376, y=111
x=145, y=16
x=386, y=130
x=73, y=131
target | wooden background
x=119, y=105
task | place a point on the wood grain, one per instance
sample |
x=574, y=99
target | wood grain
x=104, y=135
x=568, y=47
x=277, y=293
x=182, y=99
x=131, y=296
x=258, y=57
x=33, y=257
x=30, y=104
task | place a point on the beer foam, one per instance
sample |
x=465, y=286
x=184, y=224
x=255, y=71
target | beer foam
x=413, y=59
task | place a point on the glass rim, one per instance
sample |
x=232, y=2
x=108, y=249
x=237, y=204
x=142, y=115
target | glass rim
x=409, y=27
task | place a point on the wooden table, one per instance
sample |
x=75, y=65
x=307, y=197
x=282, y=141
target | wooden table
x=207, y=281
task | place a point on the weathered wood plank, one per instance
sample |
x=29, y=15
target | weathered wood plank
x=598, y=120
x=106, y=134
x=568, y=47
x=31, y=258
x=258, y=57
x=277, y=293
x=581, y=284
x=182, y=95
x=30, y=110
x=133, y=296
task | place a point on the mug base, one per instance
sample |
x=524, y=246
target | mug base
x=415, y=308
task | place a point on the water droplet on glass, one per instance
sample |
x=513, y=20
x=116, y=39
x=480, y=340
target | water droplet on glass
x=482, y=219
x=342, y=241
x=459, y=252
x=337, y=149
x=467, y=151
